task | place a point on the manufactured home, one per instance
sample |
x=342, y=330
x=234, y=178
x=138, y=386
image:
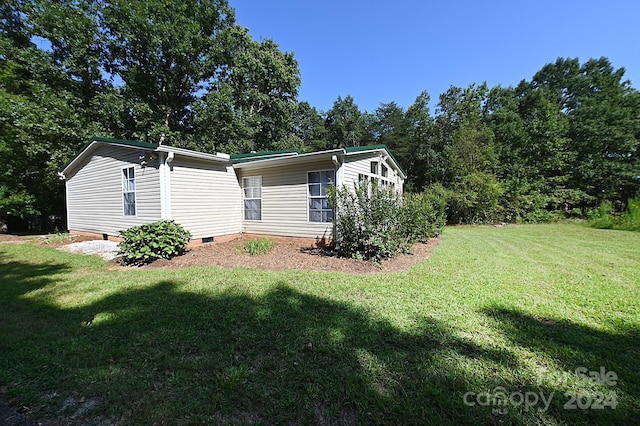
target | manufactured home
x=114, y=184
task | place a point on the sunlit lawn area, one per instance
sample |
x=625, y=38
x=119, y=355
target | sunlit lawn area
x=496, y=318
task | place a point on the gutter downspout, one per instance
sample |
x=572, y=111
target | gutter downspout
x=163, y=195
x=167, y=184
x=338, y=162
x=339, y=170
x=63, y=178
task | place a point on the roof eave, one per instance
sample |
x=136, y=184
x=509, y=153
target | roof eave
x=218, y=156
x=254, y=156
x=138, y=145
x=276, y=161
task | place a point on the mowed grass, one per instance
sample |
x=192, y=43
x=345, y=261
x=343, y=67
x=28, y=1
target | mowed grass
x=496, y=317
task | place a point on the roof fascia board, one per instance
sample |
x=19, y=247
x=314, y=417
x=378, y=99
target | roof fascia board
x=292, y=159
x=263, y=155
x=248, y=159
x=220, y=157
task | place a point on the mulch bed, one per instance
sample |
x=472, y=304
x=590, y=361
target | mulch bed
x=287, y=254
x=292, y=254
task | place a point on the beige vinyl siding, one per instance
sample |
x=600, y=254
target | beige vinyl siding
x=284, y=202
x=94, y=192
x=205, y=197
x=355, y=165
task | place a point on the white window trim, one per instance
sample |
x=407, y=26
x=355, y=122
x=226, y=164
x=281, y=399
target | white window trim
x=135, y=196
x=244, y=209
x=309, y=197
x=377, y=167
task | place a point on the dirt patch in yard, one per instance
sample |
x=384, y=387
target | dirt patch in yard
x=10, y=238
x=60, y=241
x=291, y=253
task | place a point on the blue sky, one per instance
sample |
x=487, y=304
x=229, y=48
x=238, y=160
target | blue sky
x=382, y=51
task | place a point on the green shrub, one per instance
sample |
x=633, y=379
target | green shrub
x=375, y=223
x=602, y=217
x=630, y=220
x=368, y=224
x=258, y=246
x=475, y=199
x=158, y=240
x=424, y=216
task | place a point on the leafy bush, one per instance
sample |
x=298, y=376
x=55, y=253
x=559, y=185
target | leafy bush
x=163, y=239
x=424, y=216
x=604, y=216
x=258, y=246
x=630, y=220
x=375, y=223
x=368, y=221
x=476, y=199
x=523, y=202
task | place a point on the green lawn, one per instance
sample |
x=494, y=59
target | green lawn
x=495, y=312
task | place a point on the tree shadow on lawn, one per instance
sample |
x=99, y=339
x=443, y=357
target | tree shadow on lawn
x=572, y=346
x=161, y=355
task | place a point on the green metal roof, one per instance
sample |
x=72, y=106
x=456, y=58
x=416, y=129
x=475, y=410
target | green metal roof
x=352, y=149
x=365, y=148
x=250, y=156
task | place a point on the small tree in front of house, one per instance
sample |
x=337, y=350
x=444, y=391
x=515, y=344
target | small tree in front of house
x=375, y=223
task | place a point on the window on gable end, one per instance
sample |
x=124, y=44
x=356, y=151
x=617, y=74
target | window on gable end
x=374, y=167
x=129, y=191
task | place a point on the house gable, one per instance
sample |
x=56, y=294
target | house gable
x=94, y=143
x=95, y=195
x=391, y=160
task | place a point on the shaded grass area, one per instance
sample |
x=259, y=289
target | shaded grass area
x=516, y=309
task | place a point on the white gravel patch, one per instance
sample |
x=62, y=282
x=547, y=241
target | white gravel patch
x=105, y=249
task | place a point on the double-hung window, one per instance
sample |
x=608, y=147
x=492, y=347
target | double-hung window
x=129, y=191
x=374, y=167
x=252, y=189
x=318, y=183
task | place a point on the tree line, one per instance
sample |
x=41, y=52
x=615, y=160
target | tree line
x=186, y=74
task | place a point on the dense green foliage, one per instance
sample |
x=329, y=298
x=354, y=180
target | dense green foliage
x=368, y=221
x=142, y=244
x=604, y=217
x=375, y=223
x=518, y=307
x=184, y=74
x=423, y=216
x=180, y=73
x=258, y=246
